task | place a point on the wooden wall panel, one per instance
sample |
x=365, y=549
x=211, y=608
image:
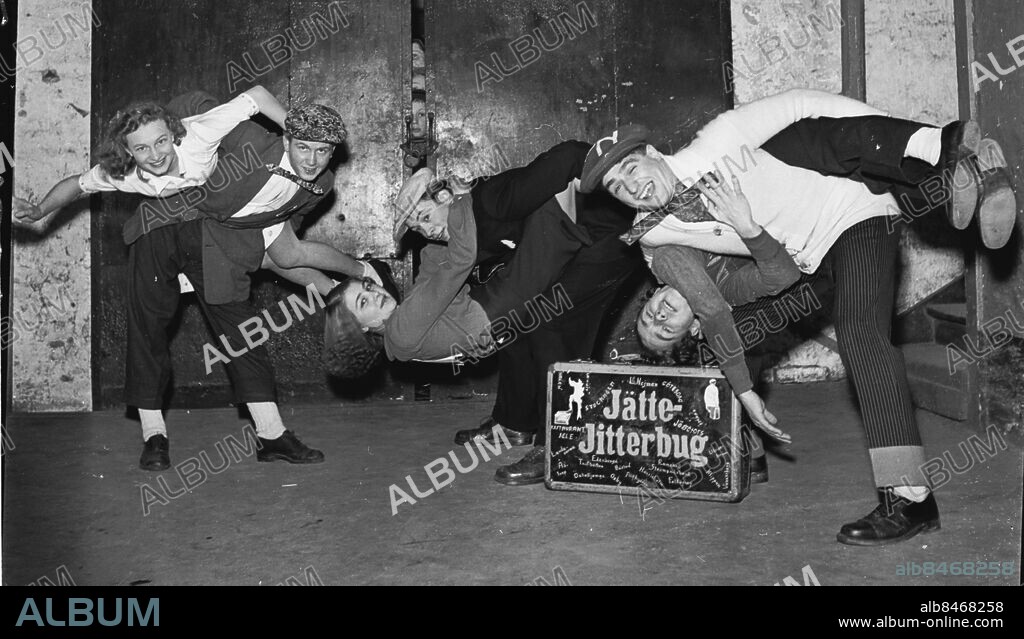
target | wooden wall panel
x=669, y=65
x=497, y=108
x=657, y=62
x=362, y=71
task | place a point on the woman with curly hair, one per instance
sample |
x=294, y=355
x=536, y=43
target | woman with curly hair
x=115, y=156
x=354, y=352
x=150, y=151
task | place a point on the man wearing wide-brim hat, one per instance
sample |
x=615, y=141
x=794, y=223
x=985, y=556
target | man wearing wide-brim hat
x=590, y=280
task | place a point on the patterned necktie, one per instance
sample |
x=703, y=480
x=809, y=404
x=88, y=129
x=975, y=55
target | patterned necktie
x=309, y=186
x=685, y=205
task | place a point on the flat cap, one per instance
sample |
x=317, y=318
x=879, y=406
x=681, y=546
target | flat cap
x=315, y=123
x=608, y=151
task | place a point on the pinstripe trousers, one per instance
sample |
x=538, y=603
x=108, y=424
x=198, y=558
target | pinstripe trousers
x=861, y=265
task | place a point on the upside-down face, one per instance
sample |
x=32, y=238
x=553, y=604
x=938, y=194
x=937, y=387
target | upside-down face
x=665, y=320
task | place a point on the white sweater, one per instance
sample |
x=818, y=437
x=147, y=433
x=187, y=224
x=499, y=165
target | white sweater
x=804, y=210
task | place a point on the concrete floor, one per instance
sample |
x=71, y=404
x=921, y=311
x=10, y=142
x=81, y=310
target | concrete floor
x=73, y=501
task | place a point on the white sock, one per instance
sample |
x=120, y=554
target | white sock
x=912, y=493
x=267, y=418
x=925, y=144
x=152, y=423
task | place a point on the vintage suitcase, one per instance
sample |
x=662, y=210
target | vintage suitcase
x=666, y=431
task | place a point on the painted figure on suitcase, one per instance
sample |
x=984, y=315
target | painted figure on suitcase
x=576, y=399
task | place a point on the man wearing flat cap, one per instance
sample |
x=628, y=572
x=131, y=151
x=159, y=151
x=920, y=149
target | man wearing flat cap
x=782, y=155
x=216, y=235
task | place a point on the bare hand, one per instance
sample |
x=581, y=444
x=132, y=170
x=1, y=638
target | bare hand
x=728, y=204
x=761, y=416
x=25, y=212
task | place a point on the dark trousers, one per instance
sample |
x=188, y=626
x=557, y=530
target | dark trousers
x=866, y=149
x=549, y=242
x=863, y=263
x=502, y=202
x=589, y=281
x=154, y=261
x=860, y=268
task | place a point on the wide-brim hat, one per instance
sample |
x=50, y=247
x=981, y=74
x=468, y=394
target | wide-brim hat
x=608, y=151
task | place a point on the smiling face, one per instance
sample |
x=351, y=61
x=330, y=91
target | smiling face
x=430, y=220
x=642, y=180
x=308, y=159
x=369, y=303
x=665, y=320
x=152, y=148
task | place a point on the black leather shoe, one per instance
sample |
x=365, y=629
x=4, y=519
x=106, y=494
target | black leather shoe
x=288, y=448
x=528, y=470
x=960, y=141
x=155, y=454
x=758, y=470
x=486, y=431
x=895, y=519
x=997, y=212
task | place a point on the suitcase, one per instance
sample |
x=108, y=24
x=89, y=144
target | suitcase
x=670, y=432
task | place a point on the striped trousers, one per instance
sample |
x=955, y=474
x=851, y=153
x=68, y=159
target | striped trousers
x=861, y=266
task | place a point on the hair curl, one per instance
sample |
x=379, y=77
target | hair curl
x=114, y=156
x=349, y=351
x=684, y=353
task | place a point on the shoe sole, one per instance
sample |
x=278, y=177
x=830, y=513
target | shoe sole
x=997, y=218
x=971, y=135
x=277, y=457
x=997, y=212
x=965, y=197
x=926, y=527
x=512, y=442
x=513, y=481
x=759, y=478
x=154, y=469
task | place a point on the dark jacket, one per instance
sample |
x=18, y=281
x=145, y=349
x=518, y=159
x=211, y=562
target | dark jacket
x=503, y=202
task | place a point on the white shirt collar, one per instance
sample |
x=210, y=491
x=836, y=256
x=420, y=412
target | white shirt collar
x=160, y=182
x=286, y=164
